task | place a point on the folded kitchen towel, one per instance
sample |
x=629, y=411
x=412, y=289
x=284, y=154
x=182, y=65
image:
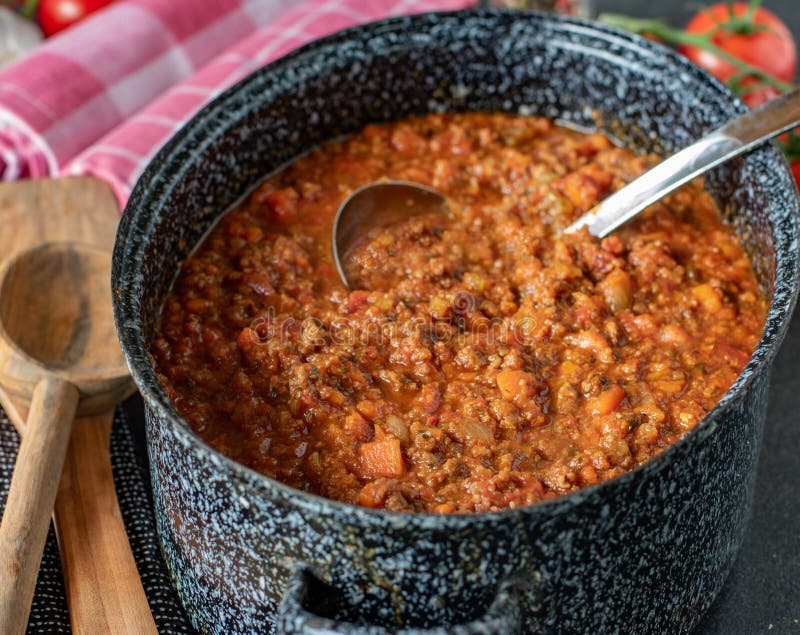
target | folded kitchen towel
x=87, y=80
x=120, y=156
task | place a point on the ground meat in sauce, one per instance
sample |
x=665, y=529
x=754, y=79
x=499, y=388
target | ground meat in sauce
x=494, y=365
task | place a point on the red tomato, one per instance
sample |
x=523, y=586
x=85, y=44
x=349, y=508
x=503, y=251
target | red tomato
x=56, y=15
x=796, y=171
x=769, y=48
x=757, y=96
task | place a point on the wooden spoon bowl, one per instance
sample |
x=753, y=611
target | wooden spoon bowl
x=56, y=319
x=58, y=348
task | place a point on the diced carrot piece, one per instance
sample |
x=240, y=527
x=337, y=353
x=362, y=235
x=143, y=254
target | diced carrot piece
x=430, y=398
x=382, y=458
x=581, y=189
x=302, y=403
x=196, y=305
x=439, y=306
x=732, y=354
x=670, y=386
x=639, y=326
x=613, y=244
x=587, y=475
x=356, y=425
x=373, y=131
x=586, y=309
x=617, y=288
x=331, y=395
x=673, y=334
x=407, y=142
x=708, y=297
x=253, y=234
x=254, y=352
x=443, y=173
x=373, y=494
x=593, y=144
x=476, y=281
x=569, y=369
x=259, y=283
x=368, y=409
x=516, y=385
x=593, y=341
x=236, y=229
x=600, y=176
x=607, y=401
x=247, y=338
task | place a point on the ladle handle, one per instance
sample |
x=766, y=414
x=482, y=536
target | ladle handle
x=30, y=499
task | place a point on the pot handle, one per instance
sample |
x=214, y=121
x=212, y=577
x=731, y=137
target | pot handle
x=504, y=615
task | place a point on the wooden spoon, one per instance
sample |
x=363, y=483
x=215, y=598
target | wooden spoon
x=104, y=591
x=58, y=348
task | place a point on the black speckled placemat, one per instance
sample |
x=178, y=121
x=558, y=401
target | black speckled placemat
x=128, y=458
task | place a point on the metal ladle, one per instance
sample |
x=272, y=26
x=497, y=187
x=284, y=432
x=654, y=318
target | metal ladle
x=384, y=202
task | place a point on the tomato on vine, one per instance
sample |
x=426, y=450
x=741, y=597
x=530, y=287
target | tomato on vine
x=742, y=44
x=56, y=15
x=751, y=34
x=790, y=144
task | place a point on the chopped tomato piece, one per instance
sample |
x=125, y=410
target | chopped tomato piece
x=357, y=301
x=283, y=204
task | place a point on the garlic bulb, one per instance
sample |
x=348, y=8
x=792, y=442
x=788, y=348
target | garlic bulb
x=17, y=36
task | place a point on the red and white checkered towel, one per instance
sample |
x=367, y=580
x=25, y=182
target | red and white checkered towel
x=89, y=79
x=120, y=156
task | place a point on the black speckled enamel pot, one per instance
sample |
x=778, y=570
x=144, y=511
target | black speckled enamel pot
x=646, y=552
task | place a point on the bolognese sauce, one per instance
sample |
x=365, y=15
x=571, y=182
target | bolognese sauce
x=480, y=361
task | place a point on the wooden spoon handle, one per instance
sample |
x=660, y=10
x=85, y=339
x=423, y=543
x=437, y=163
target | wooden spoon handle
x=30, y=499
x=104, y=591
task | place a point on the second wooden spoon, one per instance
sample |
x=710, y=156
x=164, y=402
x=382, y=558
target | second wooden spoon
x=58, y=348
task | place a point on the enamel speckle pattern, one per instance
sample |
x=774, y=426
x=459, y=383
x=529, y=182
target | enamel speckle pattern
x=649, y=549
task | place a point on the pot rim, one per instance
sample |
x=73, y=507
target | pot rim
x=143, y=208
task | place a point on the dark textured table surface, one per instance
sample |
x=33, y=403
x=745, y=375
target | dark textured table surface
x=762, y=594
